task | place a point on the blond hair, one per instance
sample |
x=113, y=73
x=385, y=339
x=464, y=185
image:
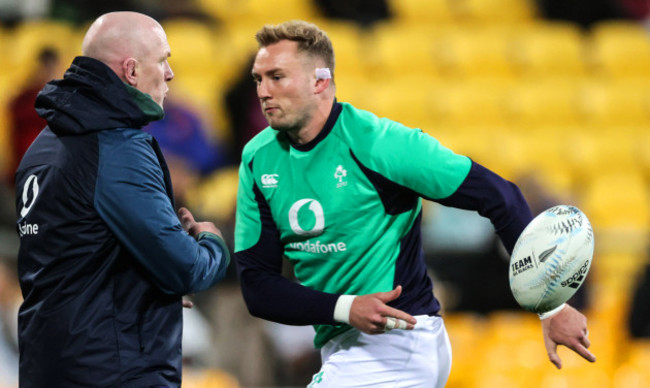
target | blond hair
x=311, y=39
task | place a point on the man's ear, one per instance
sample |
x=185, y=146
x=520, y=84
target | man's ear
x=130, y=71
x=321, y=85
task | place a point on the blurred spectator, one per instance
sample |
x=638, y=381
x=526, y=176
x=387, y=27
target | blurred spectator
x=243, y=106
x=639, y=316
x=363, y=12
x=9, y=302
x=585, y=13
x=24, y=123
x=190, y=152
x=13, y=12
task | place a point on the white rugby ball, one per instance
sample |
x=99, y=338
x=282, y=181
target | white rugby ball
x=551, y=258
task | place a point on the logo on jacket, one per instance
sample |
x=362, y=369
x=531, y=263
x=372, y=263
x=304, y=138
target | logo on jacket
x=30, y=192
x=30, y=183
x=269, y=180
x=340, y=174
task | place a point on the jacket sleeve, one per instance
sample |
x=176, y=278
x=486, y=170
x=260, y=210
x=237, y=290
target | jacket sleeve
x=131, y=198
x=258, y=253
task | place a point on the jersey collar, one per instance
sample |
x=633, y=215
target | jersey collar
x=329, y=124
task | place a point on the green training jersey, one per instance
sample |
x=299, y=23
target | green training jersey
x=346, y=206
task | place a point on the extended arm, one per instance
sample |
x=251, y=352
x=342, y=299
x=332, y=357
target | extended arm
x=502, y=202
x=132, y=199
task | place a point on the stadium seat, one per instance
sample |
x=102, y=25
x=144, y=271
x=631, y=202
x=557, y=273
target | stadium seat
x=193, y=45
x=259, y=12
x=549, y=49
x=620, y=50
x=397, y=49
x=466, y=103
x=495, y=12
x=618, y=201
x=417, y=11
x=627, y=376
x=545, y=102
x=216, y=197
x=475, y=52
x=616, y=102
x=349, y=48
x=601, y=151
x=407, y=100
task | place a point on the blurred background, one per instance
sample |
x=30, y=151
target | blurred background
x=551, y=94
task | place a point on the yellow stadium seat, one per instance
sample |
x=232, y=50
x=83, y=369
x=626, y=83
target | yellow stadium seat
x=192, y=43
x=618, y=200
x=259, y=12
x=602, y=151
x=545, y=102
x=549, y=49
x=349, y=47
x=407, y=100
x=620, y=50
x=465, y=103
x=627, y=376
x=616, y=103
x=216, y=197
x=208, y=378
x=495, y=11
x=353, y=89
x=430, y=11
x=475, y=52
x=641, y=147
x=397, y=49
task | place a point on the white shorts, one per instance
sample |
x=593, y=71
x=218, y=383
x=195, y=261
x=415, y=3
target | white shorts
x=399, y=358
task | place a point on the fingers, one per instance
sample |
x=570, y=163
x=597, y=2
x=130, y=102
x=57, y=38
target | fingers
x=555, y=359
x=390, y=295
x=188, y=304
x=551, y=350
x=394, y=323
x=186, y=217
x=583, y=352
x=400, y=316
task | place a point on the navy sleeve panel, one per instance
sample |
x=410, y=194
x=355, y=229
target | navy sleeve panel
x=131, y=198
x=267, y=293
x=495, y=198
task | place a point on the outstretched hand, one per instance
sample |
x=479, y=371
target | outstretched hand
x=193, y=227
x=568, y=328
x=371, y=314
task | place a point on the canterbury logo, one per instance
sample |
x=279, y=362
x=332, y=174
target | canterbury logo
x=32, y=182
x=270, y=180
x=316, y=209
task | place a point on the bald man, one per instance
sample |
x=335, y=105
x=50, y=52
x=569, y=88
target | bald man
x=104, y=259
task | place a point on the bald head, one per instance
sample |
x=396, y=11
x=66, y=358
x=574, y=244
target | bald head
x=127, y=42
x=116, y=36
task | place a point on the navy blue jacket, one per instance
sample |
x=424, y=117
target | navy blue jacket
x=103, y=260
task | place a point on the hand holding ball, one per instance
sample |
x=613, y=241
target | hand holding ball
x=551, y=258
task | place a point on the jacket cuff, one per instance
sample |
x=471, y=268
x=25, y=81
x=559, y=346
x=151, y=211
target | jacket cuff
x=222, y=244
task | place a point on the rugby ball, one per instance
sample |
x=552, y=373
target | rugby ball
x=551, y=258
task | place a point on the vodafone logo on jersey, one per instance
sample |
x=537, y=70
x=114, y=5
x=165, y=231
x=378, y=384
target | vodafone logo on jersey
x=306, y=218
x=318, y=218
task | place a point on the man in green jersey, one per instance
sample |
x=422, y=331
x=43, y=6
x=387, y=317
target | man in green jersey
x=337, y=191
